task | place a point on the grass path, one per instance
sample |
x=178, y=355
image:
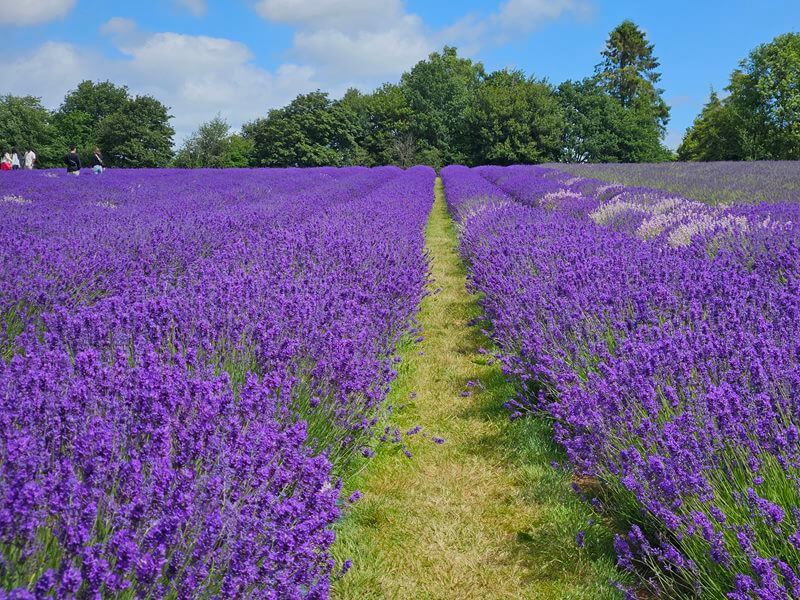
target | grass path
x=484, y=515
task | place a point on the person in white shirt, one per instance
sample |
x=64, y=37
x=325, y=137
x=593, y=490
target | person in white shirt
x=30, y=159
x=15, y=160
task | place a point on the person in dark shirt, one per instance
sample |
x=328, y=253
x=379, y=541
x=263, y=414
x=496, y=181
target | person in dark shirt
x=97, y=164
x=73, y=161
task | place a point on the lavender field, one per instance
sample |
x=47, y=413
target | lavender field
x=190, y=361
x=194, y=364
x=746, y=182
x=660, y=335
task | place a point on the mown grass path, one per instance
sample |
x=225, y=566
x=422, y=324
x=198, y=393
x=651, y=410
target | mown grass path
x=484, y=515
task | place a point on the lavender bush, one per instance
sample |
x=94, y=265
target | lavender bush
x=190, y=360
x=748, y=182
x=661, y=336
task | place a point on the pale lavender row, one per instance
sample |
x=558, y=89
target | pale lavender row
x=647, y=213
x=671, y=372
x=747, y=182
x=194, y=353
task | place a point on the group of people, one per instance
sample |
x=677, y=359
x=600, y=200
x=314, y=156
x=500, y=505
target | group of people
x=11, y=160
x=74, y=165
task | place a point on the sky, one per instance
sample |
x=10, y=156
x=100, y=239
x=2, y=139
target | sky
x=239, y=58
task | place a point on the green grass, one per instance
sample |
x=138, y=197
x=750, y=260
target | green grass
x=485, y=515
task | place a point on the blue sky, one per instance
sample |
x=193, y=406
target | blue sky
x=242, y=57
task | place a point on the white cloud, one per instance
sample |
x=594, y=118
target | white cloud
x=370, y=54
x=196, y=7
x=48, y=72
x=366, y=42
x=200, y=76
x=196, y=76
x=528, y=15
x=344, y=15
x=33, y=12
x=352, y=42
x=513, y=18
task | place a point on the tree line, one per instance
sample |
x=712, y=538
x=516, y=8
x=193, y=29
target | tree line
x=759, y=118
x=446, y=109
x=133, y=131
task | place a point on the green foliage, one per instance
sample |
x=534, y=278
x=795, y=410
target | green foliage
x=311, y=131
x=239, y=153
x=438, y=91
x=713, y=135
x=95, y=100
x=138, y=134
x=25, y=123
x=79, y=117
x=760, y=118
x=765, y=97
x=598, y=128
x=214, y=146
x=512, y=119
x=383, y=119
x=628, y=72
x=131, y=132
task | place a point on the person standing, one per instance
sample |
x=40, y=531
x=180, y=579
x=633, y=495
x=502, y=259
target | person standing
x=73, y=161
x=5, y=162
x=15, y=160
x=30, y=159
x=97, y=164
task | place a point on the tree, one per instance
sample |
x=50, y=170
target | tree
x=79, y=117
x=383, y=120
x=512, y=119
x=138, y=134
x=438, y=90
x=765, y=99
x=713, y=135
x=97, y=100
x=239, y=152
x=599, y=129
x=213, y=145
x=760, y=118
x=25, y=123
x=311, y=131
x=629, y=73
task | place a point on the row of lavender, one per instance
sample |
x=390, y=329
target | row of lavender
x=748, y=182
x=189, y=361
x=663, y=337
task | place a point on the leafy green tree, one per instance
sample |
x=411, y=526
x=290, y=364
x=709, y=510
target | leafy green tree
x=79, y=117
x=213, y=145
x=239, y=152
x=438, y=91
x=25, y=123
x=311, y=131
x=765, y=99
x=599, y=129
x=383, y=120
x=512, y=119
x=760, y=118
x=96, y=100
x=138, y=134
x=629, y=73
x=713, y=135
